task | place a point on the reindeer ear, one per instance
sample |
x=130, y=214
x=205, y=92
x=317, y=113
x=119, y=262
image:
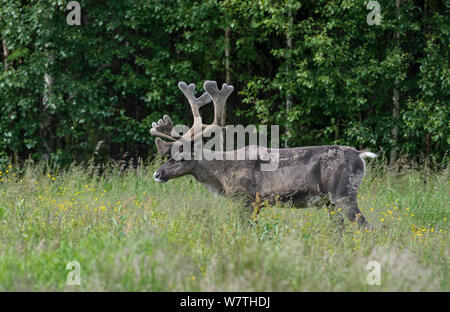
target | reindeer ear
x=163, y=147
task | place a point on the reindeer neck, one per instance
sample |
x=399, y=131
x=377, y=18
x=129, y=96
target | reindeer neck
x=210, y=173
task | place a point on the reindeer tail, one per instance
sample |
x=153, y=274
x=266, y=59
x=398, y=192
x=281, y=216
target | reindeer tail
x=363, y=154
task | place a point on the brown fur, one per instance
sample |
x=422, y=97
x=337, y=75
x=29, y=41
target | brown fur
x=304, y=174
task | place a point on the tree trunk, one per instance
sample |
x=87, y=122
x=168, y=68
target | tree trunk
x=425, y=32
x=396, y=102
x=395, y=113
x=5, y=55
x=46, y=97
x=336, y=132
x=227, y=68
x=288, y=93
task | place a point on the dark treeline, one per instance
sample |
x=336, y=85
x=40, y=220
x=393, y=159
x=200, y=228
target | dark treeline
x=314, y=67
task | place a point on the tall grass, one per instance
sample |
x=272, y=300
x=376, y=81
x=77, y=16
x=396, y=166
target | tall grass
x=131, y=234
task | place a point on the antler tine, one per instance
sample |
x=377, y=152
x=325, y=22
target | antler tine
x=196, y=103
x=163, y=129
x=219, y=98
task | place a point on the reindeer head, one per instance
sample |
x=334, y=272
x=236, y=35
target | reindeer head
x=177, y=166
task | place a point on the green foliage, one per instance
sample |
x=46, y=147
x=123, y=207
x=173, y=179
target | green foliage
x=118, y=72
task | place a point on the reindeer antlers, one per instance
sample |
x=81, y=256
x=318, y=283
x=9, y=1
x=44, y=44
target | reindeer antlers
x=163, y=128
x=219, y=98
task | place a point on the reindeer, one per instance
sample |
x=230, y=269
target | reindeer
x=305, y=176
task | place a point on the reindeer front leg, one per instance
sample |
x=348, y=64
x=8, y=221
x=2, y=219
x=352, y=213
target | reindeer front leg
x=256, y=206
x=252, y=207
x=350, y=209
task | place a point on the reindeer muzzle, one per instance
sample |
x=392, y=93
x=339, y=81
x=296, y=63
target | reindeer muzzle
x=157, y=176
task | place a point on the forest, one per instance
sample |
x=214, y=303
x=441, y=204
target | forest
x=318, y=69
x=81, y=83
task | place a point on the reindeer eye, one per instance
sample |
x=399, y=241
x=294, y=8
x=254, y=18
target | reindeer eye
x=173, y=161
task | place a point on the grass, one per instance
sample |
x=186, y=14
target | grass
x=131, y=234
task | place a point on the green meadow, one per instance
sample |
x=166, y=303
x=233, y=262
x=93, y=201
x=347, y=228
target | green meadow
x=129, y=233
